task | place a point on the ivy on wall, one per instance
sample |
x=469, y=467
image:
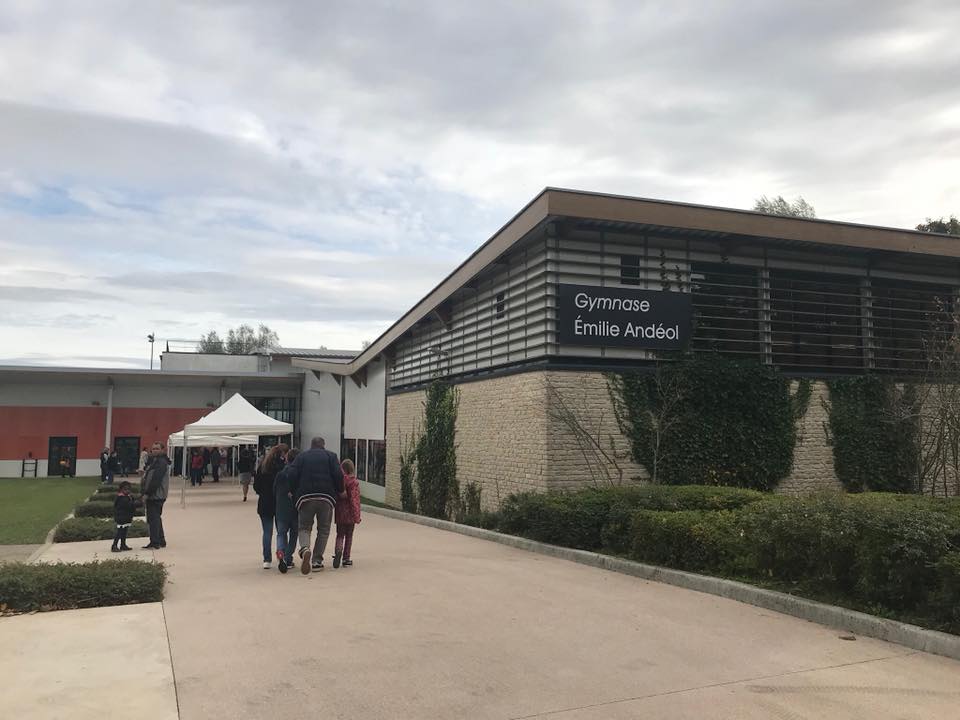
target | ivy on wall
x=437, y=490
x=872, y=428
x=710, y=420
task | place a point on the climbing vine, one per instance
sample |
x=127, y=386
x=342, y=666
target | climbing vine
x=710, y=420
x=873, y=429
x=437, y=490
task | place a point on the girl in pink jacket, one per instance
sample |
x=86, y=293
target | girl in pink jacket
x=347, y=514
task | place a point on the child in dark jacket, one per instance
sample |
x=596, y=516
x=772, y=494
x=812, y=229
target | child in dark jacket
x=347, y=514
x=286, y=515
x=123, y=508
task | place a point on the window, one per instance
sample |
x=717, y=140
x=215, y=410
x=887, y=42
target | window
x=905, y=315
x=501, y=305
x=361, y=460
x=279, y=408
x=629, y=269
x=377, y=463
x=726, y=306
x=815, y=320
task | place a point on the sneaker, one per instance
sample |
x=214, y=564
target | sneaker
x=347, y=563
x=317, y=564
x=281, y=563
x=288, y=563
x=304, y=561
x=114, y=549
x=267, y=564
x=125, y=548
x=244, y=499
x=336, y=560
x=150, y=546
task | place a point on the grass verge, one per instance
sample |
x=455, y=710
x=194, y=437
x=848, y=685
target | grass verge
x=29, y=507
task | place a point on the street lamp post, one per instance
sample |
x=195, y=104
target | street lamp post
x=151, y=338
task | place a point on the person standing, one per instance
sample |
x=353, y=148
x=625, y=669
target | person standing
x=156, y=484
x=347, y=514
x=215, y=464
x=317, y=481
x=206, y=462
x=105, y=475
x=144, y=457
x=245, y=470
x=196, y=468
x=263, y=486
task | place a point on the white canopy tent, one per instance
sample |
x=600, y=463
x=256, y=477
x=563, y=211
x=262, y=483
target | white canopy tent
x=176, y=440
x=233, y=420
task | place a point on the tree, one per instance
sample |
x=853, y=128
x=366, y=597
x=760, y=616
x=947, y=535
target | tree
x=241, y=340
x=210, y=343
x=946, y=226
x=799, y=208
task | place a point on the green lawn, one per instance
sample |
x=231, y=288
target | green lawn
x=30, y=507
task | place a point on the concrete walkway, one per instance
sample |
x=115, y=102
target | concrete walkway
x=430, y=624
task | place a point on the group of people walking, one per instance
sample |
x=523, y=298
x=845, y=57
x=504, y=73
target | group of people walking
x=297, y=489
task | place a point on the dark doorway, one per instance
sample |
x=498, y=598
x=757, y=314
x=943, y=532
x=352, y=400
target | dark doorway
x=62, y=456
x=128, y=453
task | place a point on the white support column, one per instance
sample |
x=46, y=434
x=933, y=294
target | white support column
x=109, y=424
x=223, y=392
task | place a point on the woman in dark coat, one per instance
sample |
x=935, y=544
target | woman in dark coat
x=263, y=486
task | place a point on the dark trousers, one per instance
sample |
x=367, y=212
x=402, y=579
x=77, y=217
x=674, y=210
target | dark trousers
x=106, y=476
x=344, y=540
x=287, y=536
x=155, y=522
x=120, y=539
x=323, y=512
x=266, y=521
x=196, y=476
x=216, y=473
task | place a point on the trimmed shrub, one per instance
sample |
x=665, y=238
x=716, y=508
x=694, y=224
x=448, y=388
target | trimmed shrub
x=100, y=509
x=78, y=529
x=64, y=586
x=112, y=489
x=596, y=518
x=687, y=539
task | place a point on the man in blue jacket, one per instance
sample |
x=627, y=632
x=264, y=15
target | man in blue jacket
x=316, y=481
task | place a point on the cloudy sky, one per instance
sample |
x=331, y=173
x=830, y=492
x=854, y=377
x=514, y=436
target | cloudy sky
x=177, y=167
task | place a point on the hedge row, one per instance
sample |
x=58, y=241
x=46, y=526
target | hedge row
x=111, y=489
x=100, y=509
x=891, y=554
x=63, y=586
x=78, y=529
x=595, y=518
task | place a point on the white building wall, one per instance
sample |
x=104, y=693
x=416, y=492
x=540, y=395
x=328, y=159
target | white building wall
x=166, y=396
x=320, y=410
x=53, y=394
x=208, y=362
x=365, y=407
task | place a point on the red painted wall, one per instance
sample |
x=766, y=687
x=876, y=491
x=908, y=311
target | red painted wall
x=29, y=429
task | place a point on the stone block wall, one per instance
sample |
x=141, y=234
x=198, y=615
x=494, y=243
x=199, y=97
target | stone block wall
x=583, y=432
x=515, y=433
x=812, y=456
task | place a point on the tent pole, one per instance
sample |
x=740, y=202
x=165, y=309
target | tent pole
x=183, y=471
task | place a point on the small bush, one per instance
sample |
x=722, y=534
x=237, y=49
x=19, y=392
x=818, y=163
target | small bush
x=100, y=509
x=78, y=529
x=687, y=539
x=112, y=489
x=946, y=598
x=64, y=586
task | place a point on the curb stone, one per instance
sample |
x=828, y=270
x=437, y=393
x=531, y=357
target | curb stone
x=853, y=621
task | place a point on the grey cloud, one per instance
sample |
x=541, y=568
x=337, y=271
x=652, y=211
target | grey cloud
x=40, y=295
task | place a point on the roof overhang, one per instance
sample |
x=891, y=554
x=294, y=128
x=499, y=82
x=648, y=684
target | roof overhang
x=553, y=203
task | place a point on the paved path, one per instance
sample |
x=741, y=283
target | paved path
x=430, y=624
x=16, y=553
x=87, y=665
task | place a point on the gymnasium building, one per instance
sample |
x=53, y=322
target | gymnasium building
x=576, y=285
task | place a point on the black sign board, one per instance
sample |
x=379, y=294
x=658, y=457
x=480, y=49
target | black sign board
x=623, y=317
